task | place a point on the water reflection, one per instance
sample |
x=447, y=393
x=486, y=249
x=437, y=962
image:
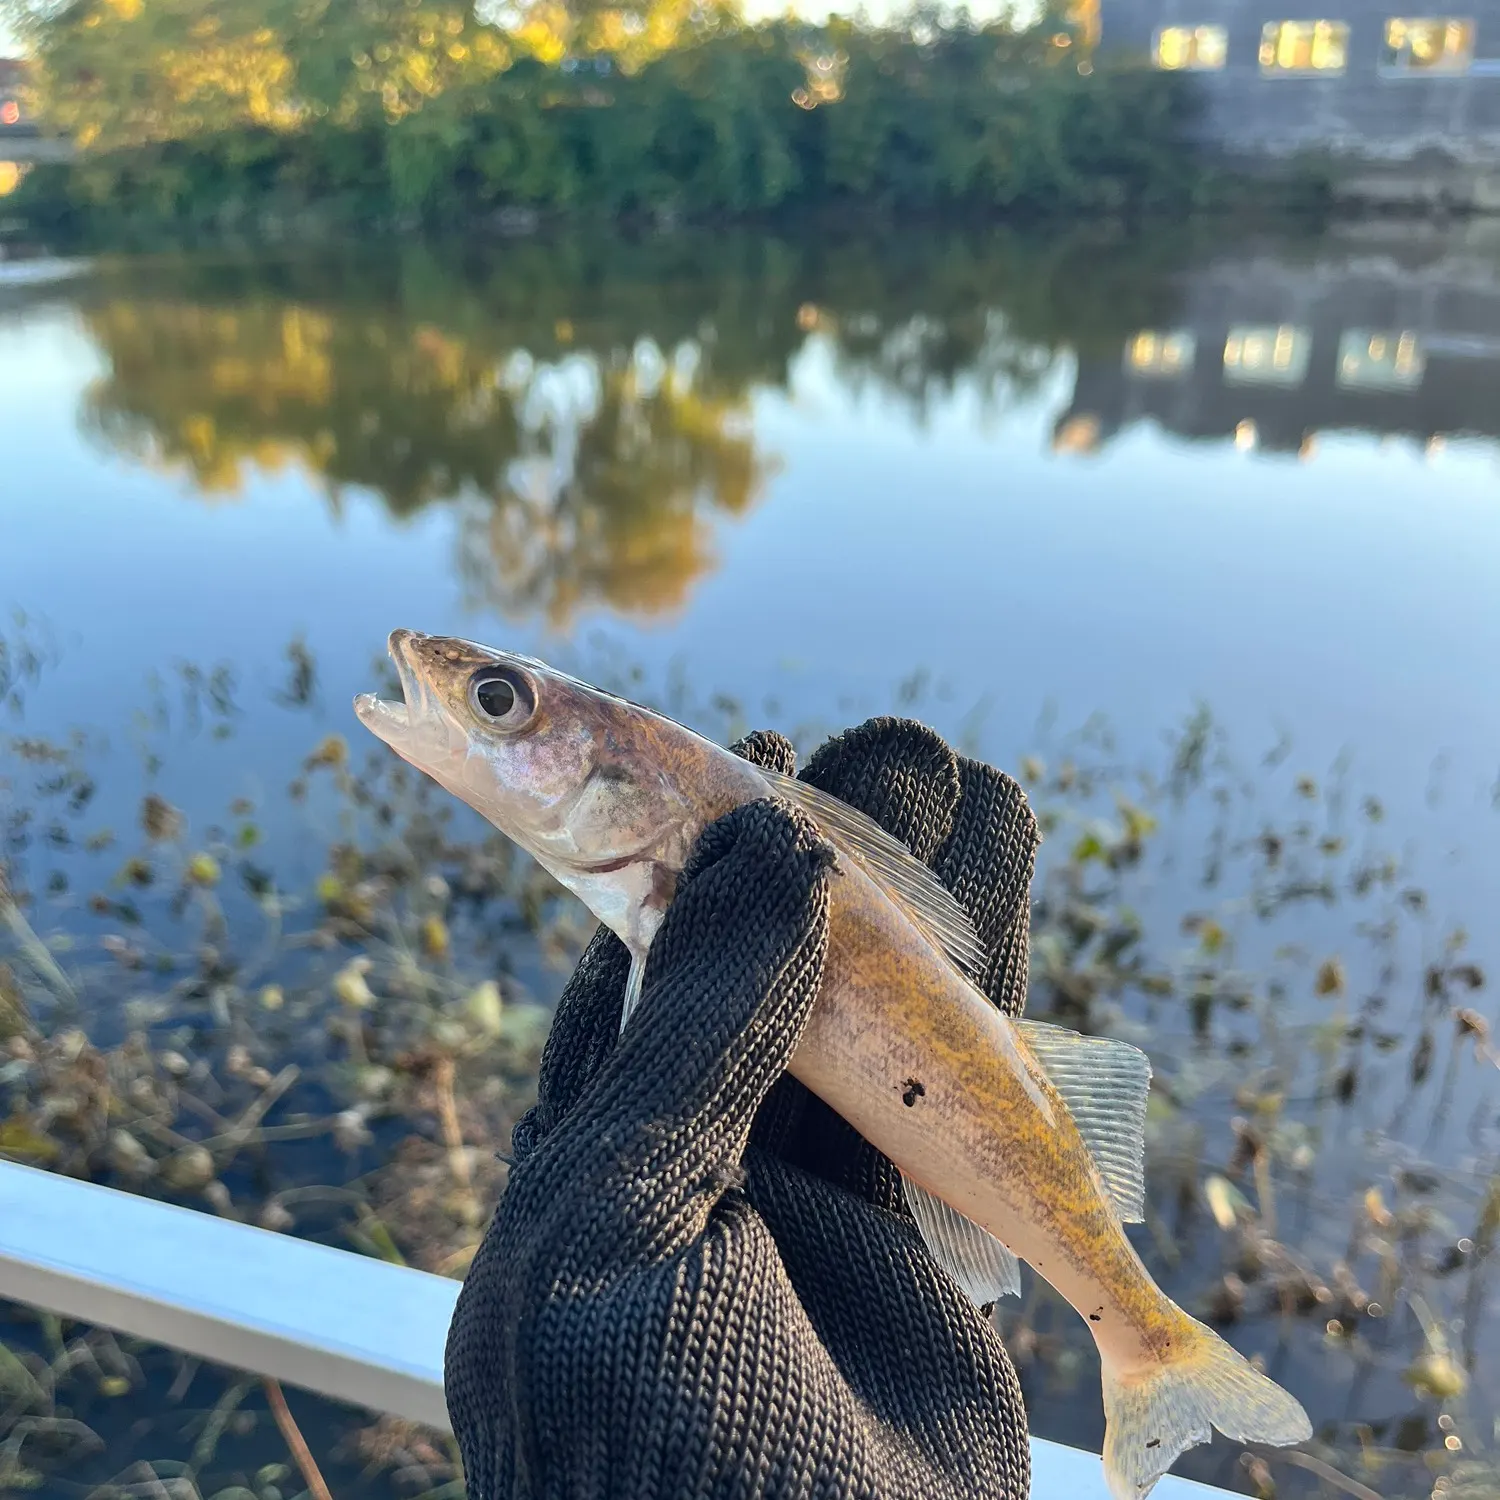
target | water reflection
x=584, y=477
x=1392, y=335
x=587, y=408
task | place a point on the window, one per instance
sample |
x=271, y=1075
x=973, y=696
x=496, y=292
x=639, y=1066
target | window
x=1304, y=46
x=1380, y=361
x=1160, y=356
x=11, y=173
x=1266, y=356
x=1427, y=44
x=1191, y=47
x=10, y=112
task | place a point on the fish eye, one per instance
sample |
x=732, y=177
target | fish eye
x=502, y=696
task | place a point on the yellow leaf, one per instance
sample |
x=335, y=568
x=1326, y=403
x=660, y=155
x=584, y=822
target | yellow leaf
x=350, y=986
x=1436, y=1373
x=20, y=1141
x=1330, y=980
x=486, y=1009
x=1225, y=1201
x=435, y=937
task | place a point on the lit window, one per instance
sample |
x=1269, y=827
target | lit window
x=1304, y=46
x=1191, y=47
x=10, y=112
x=1160, y=355
x=1380, y=361
x=1427, y=44
x=1266, y=356
x=11, y=173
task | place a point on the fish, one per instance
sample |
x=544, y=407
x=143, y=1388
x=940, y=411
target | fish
x=1016, y=1139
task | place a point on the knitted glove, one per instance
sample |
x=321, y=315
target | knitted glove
x=701, y=1281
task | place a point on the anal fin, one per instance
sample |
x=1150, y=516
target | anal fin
x=972, y=1256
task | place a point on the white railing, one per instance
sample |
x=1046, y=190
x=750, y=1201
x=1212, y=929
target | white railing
x=344, y=1325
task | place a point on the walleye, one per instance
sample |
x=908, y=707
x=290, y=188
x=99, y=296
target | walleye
x=1013, y=1138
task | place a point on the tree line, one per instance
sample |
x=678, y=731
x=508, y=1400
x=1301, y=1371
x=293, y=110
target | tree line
x=229, y=115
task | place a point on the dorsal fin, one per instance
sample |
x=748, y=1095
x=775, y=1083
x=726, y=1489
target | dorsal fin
x=1104, y=1083
x=903, y=877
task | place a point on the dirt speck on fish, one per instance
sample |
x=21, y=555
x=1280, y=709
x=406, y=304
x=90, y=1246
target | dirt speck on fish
x=1014, y=1139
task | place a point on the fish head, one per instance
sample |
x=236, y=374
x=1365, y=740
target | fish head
x=583, y=780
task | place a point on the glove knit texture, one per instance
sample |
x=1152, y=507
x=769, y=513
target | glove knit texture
x=700, y=1281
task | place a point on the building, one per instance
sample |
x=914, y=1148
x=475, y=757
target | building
x=1381, y=337
x=1409, y=103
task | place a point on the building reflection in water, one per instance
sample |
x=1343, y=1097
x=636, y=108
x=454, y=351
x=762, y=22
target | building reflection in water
x=1265, y=354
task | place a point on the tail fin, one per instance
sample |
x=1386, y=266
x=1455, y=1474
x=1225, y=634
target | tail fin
x=1151, y=1416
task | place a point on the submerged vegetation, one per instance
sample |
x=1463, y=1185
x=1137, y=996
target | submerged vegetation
x=242, y=117
x=320, y=1009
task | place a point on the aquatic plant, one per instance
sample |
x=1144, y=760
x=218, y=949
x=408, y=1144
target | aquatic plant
x=321, y=1012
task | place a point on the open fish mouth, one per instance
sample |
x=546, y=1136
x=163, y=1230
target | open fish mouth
x=389, y=720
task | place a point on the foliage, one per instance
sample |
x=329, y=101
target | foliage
x=246, y=114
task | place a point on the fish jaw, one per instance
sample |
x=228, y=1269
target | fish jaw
x=417, y=728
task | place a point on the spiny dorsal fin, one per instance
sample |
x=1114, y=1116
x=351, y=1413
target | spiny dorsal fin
x=903, y=877
x=1104, y=1083
x=972, y=1256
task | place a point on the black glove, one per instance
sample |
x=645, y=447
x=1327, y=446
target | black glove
x=701, y=1281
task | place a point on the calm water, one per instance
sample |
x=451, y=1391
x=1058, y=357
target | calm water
x=1032, y=481
x=800, y=471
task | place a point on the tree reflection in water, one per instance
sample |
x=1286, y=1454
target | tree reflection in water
x=586, y=406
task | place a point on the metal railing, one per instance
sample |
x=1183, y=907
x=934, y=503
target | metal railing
x=331, y=1321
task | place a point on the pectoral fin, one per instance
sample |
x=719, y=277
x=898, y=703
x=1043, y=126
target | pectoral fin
x=633, y=986
x=972, y=1256
x=894, y=868
x=1104, y=1083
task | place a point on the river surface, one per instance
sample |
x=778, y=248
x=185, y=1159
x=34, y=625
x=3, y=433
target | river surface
x=1026, y=488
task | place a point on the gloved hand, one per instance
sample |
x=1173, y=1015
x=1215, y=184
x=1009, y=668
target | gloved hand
x=701, y=1281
